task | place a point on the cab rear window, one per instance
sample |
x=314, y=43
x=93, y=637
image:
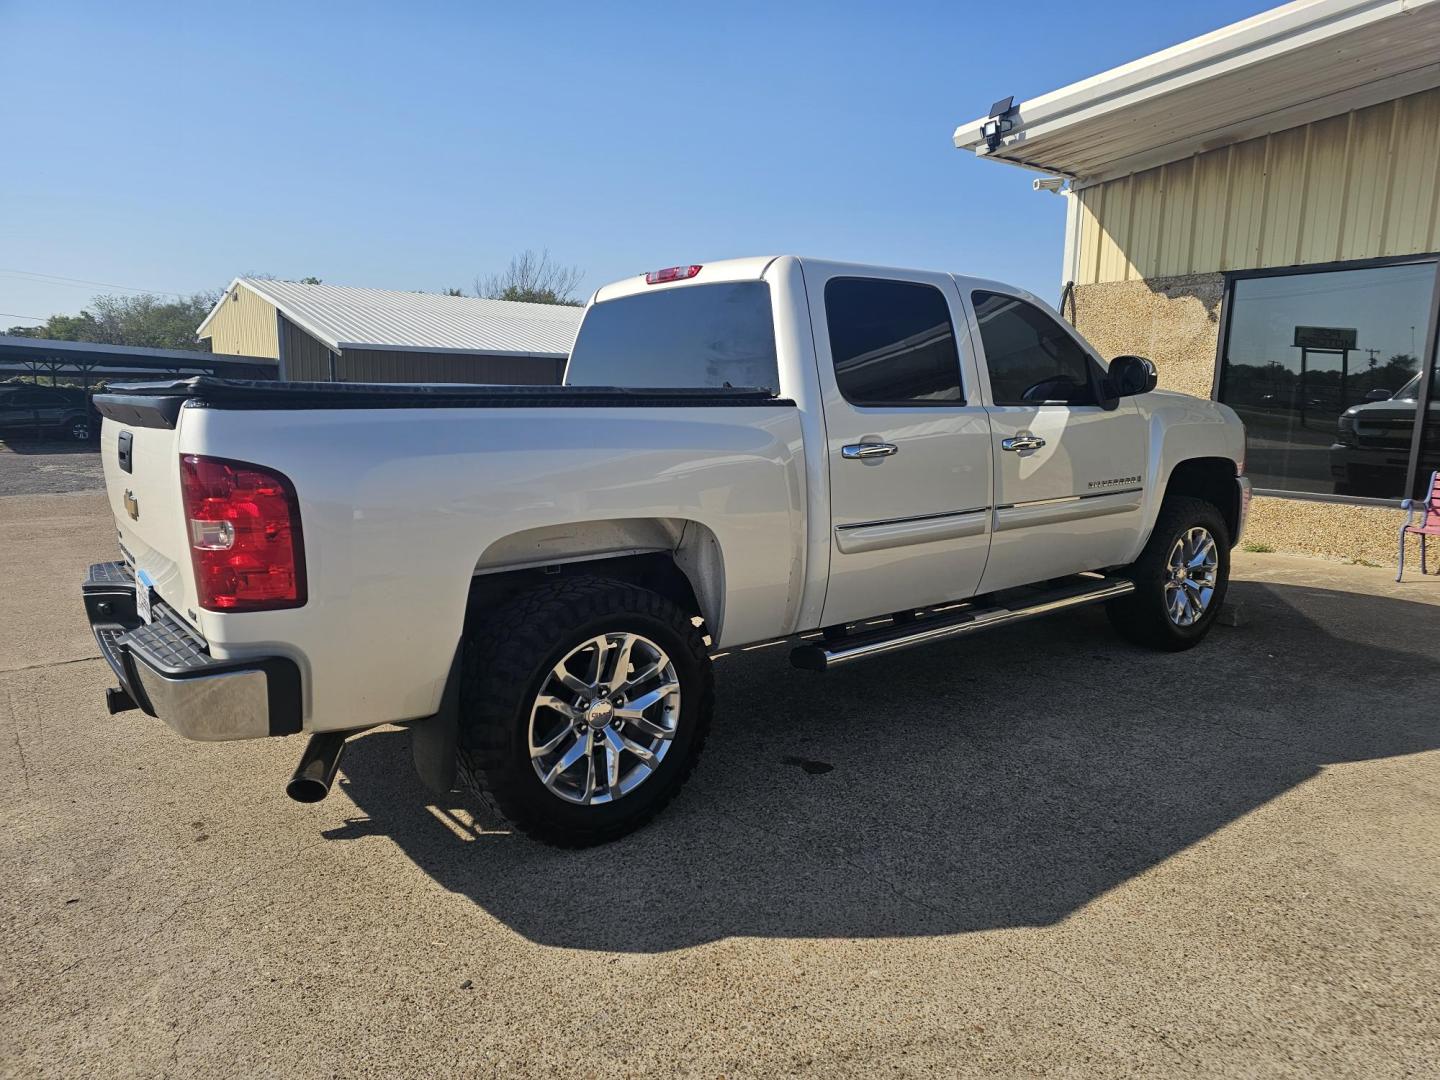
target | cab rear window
x=693, y=336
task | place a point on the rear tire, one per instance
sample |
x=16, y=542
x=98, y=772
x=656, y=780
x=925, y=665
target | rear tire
x=1180, y=578
x=76, y=429
x=540, y=684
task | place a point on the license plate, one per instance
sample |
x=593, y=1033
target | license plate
x=143, y=587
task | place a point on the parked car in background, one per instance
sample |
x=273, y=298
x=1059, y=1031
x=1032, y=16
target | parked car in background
x=745, y=451
x=1371, y=453
x=27, y=409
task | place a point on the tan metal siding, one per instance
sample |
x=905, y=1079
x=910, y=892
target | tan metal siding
x=1349, y=187
x=244, y=325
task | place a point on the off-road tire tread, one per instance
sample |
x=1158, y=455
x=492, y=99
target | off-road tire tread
x=502, y=653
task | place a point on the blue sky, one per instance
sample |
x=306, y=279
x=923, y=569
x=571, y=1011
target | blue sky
x=418, y=145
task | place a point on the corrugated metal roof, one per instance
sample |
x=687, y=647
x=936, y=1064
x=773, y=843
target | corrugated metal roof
x=1296, y=64
x=350, y=318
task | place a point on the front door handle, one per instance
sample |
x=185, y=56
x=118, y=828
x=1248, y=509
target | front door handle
x=1022, y=442
x=866, y=450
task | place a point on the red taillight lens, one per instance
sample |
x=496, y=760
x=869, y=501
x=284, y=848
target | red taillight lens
x=671, y=273
x=244, y=533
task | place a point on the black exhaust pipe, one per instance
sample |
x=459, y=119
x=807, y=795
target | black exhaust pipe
x=316, y=771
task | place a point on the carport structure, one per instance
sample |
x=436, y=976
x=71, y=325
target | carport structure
x=89, y=361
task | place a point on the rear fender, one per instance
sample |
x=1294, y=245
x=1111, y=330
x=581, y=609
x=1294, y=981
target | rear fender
x=691, y=547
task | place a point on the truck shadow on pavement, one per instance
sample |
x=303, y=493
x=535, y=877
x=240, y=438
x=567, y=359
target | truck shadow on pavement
x=1006, y=782
x=26, y=445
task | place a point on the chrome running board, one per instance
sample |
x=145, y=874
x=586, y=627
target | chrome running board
x=971, y=619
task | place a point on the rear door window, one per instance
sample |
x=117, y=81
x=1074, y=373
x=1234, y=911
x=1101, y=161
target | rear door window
x=691, y=336
x=892, y=342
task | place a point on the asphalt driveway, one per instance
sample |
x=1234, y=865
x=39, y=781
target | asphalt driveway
x=48, y=466
x=1042, y=852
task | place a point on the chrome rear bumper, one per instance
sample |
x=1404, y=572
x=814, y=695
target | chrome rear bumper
x=167, y=670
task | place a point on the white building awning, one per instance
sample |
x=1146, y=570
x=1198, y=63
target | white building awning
x=1286, y=67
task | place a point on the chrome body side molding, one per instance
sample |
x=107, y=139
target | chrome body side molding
x=1073, y=508
x=900, y=532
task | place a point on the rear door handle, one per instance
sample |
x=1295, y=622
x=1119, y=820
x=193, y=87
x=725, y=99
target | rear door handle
x=1022, y=442
x=865, y=450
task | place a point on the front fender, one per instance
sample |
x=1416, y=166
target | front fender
x=1181, y=428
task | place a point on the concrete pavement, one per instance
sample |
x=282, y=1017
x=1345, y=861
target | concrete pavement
x=1039, y=853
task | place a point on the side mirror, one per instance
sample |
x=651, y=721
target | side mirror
x=1379, y=395
x=1131, y=375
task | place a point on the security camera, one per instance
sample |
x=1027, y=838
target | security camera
x=1054, y=184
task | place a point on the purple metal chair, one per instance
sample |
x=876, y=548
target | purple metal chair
x=1428, y=511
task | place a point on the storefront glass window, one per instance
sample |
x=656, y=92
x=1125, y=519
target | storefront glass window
x=1324, y=370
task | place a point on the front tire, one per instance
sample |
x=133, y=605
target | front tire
x=1180, y=578
x=584, y=705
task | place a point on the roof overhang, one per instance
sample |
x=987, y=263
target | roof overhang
x=1293, y=65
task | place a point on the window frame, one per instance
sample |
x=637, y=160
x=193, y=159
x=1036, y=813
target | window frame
x=1427, y=359
x=950, y=312
x=1096, y=367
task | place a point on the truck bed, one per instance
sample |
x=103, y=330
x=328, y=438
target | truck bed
x=158, y=404
x=406, y=493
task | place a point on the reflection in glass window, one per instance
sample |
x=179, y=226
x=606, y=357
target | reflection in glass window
x=1323, y=368
x=1031, y=359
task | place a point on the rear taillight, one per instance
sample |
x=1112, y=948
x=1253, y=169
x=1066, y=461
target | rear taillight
x=244, y=532
x=671, y=273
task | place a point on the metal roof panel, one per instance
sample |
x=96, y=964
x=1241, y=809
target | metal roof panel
x=343, y=317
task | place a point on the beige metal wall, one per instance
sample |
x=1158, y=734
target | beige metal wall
x=244, y=326
x=1356, y=186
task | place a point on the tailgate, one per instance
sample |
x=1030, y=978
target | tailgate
x=142, y=483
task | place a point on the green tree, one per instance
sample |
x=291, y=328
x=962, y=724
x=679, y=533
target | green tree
x=533, y=279
x=143, y=320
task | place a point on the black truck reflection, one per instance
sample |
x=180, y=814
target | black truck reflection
x=1372, y=451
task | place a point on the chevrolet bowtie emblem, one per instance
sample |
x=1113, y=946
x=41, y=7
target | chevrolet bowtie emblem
x=132, y=505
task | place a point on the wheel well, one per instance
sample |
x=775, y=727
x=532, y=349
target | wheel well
x=655, y=571
x=1211, y=479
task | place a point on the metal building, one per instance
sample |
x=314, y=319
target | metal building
x=336, y=333
x=1258, y=211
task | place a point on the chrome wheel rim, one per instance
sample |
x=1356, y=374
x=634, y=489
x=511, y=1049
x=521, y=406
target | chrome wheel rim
x=1191, y=573
x=604, y=718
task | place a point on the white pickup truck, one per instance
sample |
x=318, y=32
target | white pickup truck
x=859, y=458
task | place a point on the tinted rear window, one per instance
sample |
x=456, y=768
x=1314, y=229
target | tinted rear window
x=892, y=343
x=695, y=335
